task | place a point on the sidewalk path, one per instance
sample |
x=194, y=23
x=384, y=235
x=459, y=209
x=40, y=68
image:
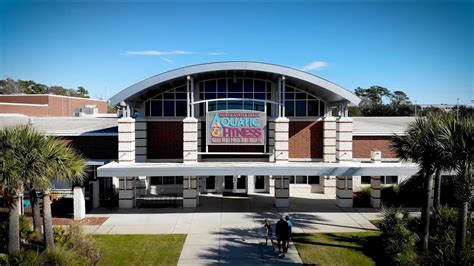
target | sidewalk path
x=230, y=230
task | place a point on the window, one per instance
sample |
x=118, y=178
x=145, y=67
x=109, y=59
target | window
x=389, y=180
x=386, y=180
x=156, y=180
x=313, y=180
x=299, y=103
x=211, y=182
x=303, y=179
x=259, y=182
x=365, y=180
x=171, y=103
x=166, y=180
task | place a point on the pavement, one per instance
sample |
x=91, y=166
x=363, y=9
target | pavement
x=229, y=230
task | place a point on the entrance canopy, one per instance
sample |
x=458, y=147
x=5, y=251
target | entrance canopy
x=257, y=168
x=324, y=89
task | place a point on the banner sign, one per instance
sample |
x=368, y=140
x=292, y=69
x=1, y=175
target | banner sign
x=235, y=127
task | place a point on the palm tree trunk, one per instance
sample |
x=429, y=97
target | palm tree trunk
x=14, y=224
x=47, y=219
x=437, y=192
x=36, y=209
x=425, y=212
x=461, y=228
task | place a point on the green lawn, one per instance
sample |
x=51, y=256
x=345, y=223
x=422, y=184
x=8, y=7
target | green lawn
x=337, y=248
x=140, y=249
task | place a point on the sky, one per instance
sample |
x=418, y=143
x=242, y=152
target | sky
x=424, y=48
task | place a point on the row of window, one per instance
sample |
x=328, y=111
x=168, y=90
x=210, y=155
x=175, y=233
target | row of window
x=385, y=180
x=172, y=103
x=299, y=179
x=304, y=179
x=166, y=180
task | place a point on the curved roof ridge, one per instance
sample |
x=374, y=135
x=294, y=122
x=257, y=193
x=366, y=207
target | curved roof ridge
x=234, y=65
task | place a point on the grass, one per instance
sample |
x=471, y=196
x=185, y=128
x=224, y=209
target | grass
x=338, y=248
x=376, y=222
x=140, y=249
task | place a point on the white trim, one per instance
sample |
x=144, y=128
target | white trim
x=258, y=168
x=376, y=134
x=26, y=104
x=52, y=95
x=334, y=92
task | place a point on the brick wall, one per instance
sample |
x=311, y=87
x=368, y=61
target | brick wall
x=56, y=105
x=95, y=147
x=362, y=145
x=306, y=139
x=165, y=140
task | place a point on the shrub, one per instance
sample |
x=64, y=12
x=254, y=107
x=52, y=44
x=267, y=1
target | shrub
x=442, y=239
x=397, y=240
x=390, y=195
x=61, y=255
x=82, y=244
x=59, y=234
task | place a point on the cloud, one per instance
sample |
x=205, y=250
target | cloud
x=156, y=52
x=216, y=53
x=167, y=59
x=314, y=66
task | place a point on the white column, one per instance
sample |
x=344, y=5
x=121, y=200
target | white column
x=140, y=140
x=271, y=141
x=190, y=140
x=281, y=139
x=190, y=193
x=344, y=139
x=250, y=184
x=282, y=191
x=328, y=183
x=375, y=181
x=329, y=139
x=126, y=140
x=79, y=204
x=271, y=185
x=126, y=149
x=126, y=192
x=344, y=191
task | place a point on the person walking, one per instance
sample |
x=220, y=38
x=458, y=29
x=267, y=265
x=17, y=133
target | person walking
x=290, y=226
x=268, y=233
x=281, y=231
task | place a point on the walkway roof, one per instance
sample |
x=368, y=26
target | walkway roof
x=257, y=168
x=325, y=89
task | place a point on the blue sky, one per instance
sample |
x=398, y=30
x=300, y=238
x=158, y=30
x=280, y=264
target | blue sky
x=423, y=48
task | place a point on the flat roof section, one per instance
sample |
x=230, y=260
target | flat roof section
x=257, y=168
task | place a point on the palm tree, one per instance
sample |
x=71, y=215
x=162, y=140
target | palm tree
x=63, y=164
x=417, y=145
x=457, y=140
x=19, y=167
x=30, y=160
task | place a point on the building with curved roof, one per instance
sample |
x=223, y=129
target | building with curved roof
x=246, y=127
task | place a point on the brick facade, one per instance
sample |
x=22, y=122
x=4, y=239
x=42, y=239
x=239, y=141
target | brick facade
x=95, y=147
x=47, y=105
x=165, y=140
x=306, y=139
x=363, y=145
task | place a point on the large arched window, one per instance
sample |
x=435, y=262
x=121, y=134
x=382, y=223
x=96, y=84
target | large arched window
x=299, y=103
x=171, y=103
x=243, y=91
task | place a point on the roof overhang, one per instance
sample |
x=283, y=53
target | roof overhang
x=257, y=168
x=326, y=89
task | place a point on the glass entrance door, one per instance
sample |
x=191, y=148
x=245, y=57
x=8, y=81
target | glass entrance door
x=235, y=184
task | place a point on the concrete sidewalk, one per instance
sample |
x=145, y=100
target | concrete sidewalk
x=226, y=230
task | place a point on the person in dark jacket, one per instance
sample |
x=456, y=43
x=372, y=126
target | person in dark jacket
x=281, y=231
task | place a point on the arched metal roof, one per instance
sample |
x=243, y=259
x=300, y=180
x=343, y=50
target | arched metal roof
x=324, y=88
